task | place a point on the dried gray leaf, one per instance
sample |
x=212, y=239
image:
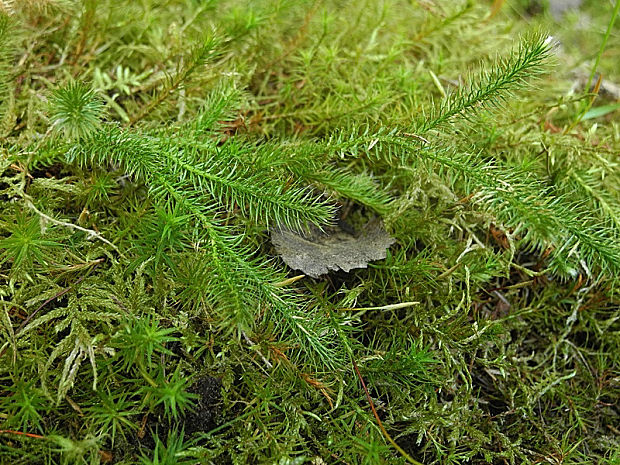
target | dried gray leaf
x=316, y=252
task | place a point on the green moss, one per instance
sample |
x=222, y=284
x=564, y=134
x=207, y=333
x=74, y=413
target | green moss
x=148, y=148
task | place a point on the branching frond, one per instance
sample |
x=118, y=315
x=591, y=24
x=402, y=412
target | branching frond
x=207, y=177
x=79, y=317
x=516, y=198
x=241, y=290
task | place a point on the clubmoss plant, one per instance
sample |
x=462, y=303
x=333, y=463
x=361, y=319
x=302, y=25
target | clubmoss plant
x=149, y=149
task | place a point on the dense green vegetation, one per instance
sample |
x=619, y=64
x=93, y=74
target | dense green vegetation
x=149, y=147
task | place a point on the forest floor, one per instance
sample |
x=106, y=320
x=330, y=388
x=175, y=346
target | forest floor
x=309, y=232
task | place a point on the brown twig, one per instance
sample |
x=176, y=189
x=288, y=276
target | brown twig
x=20, y=433
x=379, y=422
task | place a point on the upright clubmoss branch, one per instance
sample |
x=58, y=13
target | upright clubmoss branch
x=491, y=86
x=208, y=50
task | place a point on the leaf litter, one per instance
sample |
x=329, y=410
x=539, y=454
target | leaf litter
x=315, y=252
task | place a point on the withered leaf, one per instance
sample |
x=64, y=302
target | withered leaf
x=316, y=252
